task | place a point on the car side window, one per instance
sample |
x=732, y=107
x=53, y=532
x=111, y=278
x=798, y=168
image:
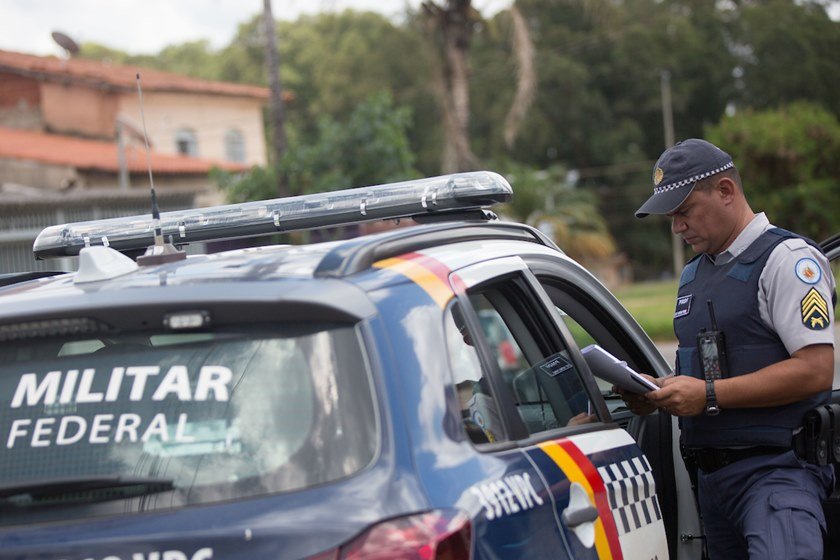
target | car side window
x=591, y=323
x=536, y=374
x=478, y=410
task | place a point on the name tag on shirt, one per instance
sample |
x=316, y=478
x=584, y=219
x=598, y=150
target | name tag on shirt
x=683, y=306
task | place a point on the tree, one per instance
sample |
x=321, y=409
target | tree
x=451, y=28
x=526, y=83
x=277, y=110
x=194, y=58
x=787, y=52
x=788, y=161
x=567, y=214
x=369, y=147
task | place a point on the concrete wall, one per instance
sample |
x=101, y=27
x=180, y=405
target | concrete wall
x=140, y=181
x=56, y=177
x=36, y=174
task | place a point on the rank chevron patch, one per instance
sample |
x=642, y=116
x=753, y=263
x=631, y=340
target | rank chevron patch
x=814, y=310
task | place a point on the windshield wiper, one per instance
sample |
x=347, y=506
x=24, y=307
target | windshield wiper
x=81, y=490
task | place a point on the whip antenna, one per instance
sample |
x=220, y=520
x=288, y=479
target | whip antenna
x=155, y=209
x=160, y=252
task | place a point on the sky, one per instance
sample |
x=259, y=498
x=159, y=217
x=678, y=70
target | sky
x=146, y=26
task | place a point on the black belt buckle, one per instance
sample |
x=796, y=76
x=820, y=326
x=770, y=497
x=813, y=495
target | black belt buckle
x=711, y=459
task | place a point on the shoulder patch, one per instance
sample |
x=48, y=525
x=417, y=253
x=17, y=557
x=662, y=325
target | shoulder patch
x=814, y=310
x=808, y=270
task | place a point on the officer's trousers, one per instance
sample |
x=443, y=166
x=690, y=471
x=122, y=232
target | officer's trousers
x=766, y=507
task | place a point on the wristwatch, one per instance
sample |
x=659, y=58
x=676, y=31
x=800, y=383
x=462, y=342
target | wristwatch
x=712, y=408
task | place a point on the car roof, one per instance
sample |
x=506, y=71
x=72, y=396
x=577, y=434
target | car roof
x=309, y=273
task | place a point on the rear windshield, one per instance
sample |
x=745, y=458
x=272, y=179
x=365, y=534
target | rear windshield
x=157, y=420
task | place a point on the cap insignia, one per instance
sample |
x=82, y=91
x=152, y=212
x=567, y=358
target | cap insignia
x=658, y=175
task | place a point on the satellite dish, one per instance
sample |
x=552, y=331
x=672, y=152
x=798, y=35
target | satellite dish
x=65, y=42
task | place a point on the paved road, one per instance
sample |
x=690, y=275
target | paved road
x=669, y=351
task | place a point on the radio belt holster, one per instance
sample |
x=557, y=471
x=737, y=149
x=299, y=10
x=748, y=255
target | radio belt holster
x=818, y=442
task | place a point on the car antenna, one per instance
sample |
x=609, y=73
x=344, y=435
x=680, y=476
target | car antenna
x=161, y=252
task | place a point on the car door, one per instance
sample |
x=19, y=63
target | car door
x=591, y=314
x=831, y=507
x=545, y=400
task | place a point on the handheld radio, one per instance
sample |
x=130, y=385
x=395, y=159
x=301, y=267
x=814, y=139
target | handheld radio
x=712, y=348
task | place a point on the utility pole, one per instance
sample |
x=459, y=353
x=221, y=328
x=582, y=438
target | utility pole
x=277, y=111
x=120, y=133
x=677, y=250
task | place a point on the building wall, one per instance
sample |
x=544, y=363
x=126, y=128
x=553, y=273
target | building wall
x=140, y=181
x=58, y=177
x=77, y=109
x=209, y=116
x=20, y=102
x=36, y=174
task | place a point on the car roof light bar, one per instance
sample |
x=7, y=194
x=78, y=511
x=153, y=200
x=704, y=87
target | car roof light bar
x=459, y=192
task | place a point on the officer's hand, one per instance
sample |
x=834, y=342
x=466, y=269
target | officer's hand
x=680, y=395
x=582, y=418
x=637, y=403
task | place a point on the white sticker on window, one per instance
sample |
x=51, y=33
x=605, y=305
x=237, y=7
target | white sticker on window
x=64, y=391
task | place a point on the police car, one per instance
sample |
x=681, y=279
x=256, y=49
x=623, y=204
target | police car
x=333, y=400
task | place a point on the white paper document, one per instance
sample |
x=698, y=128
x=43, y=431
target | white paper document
x=609, y=368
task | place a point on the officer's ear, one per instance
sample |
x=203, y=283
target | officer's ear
x=727, y=189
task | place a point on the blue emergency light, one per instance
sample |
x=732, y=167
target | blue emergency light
x=457, y=192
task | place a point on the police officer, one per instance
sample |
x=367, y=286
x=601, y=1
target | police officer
x=771, y=294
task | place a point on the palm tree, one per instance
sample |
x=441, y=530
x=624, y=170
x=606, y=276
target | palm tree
x=568, y=215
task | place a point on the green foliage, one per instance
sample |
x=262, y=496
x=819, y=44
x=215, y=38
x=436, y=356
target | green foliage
x=194, y=58
x=567, y=214
x=791, y=54
x=788, y=161
x=259, y=183
x=369, y=148
x=333, y=62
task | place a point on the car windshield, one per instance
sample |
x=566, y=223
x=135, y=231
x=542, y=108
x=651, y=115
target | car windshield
x=180, y=418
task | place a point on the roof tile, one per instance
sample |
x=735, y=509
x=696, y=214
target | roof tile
x=97, y=155
x=96, y=73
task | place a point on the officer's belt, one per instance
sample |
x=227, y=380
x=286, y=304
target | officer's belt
x=710, y=459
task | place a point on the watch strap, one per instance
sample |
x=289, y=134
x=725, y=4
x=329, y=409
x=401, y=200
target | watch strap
x=712, y=407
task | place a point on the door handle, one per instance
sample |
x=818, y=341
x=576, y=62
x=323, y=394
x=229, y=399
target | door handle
x=581, y=514
x=574, y=517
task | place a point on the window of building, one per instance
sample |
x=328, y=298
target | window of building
x=234, y=146
x=186, y=142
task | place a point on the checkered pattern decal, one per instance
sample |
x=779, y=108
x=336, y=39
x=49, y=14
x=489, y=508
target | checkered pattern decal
x=631, y=492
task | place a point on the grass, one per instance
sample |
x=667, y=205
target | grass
x=652, y=305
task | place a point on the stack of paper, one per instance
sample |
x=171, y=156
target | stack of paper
x=609, y=368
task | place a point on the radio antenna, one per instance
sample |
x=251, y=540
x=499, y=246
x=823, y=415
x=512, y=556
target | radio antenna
x=712, y=314
x=155, y=209
x=160, y=252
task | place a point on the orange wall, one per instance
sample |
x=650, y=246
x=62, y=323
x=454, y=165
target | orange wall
x=18, y=91
x=75, y=109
